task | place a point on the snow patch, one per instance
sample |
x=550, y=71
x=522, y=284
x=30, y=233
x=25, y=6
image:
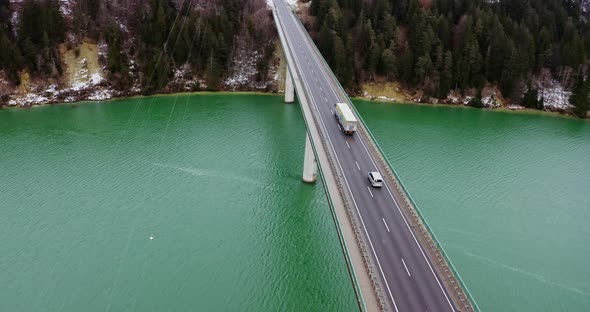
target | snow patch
x=555, y=97
x=100, y=95
x=243, y=69
x=14, y=21
x=103, y=49
x=292, y=3
x=466, y=99
x=28, y=100
x=66, y=7
x=122, y=26
x=515, y=107
x=95, y=79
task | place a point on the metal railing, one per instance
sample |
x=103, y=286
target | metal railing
x=444, y=264
x=345, y=198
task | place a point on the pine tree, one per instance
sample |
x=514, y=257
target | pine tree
x=349, y=66
x=446, y=76
x=212, y=73
x=388, y=61
x=339, y=60
x=326, y=41
x=314, y=8
x=580, y=97
x=476, y=101
x=531, y=98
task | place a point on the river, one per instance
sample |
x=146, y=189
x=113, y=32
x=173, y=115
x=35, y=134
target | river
x=508, y=195
x=195, y=202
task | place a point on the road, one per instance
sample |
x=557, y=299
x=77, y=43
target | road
x=409, y=279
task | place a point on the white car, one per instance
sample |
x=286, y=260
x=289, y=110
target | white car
x=375, y=179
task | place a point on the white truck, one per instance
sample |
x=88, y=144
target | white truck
x=345, y=118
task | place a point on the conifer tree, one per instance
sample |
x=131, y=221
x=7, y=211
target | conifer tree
x=580, y=97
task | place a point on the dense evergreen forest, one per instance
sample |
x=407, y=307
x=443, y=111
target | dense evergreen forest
x=160, y=34
x=440, y=45
x=435, y=46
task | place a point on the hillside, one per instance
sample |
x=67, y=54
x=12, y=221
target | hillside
x=69, y=50
x=483, y=53
x=486, y=53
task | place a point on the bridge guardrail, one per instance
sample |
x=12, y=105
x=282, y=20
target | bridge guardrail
x=348, y=206
x=443, y=261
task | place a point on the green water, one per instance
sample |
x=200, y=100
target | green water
x=507, y=194
x=215, y=179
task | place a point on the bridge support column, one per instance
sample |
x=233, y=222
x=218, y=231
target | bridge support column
x=310, y=166
x=289, y=89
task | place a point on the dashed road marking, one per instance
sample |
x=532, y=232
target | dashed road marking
x=386, y=225
x=405, y=266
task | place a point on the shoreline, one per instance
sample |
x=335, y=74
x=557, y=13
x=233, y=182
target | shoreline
x=524, y=111
x=131, y=97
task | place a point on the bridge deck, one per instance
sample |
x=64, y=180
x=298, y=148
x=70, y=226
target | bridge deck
x=392, y=235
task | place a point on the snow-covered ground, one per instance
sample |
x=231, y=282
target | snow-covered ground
x=84, y=86
x=14, y=21
x=184, y=79
x=243, y=69
x=66, y=7
x=555, y=97
x=515, y=107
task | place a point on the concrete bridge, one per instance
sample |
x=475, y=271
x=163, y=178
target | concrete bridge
x=393, y=259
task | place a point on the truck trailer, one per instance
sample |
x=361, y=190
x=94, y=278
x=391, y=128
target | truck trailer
x=345, y=118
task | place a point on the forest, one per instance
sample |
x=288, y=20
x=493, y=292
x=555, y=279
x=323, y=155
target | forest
x=440, y=45
x=434, y=46
x=160, y=34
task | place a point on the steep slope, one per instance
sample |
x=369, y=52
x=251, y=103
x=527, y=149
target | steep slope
x=89, y=49
x=474, y=51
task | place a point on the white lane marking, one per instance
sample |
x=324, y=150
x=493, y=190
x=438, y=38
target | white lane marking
x=347, y=144
x=316, y=79
x=339, y=127
x=326, y=99
x=389, y=191
x=357, y=165
x=405, y=266
x=321, y=65
x=321, y=89
x=331, y=111
x=386, y=225
x=368, y=188
x=349, y=190
x=411, y=232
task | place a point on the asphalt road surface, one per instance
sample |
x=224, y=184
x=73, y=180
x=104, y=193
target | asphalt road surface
x=409, y=279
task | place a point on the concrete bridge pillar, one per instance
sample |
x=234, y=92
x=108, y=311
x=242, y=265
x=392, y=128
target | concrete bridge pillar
x=289, y=89
x=310, y=166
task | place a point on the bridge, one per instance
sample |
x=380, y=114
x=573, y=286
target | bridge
x=393, y=259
